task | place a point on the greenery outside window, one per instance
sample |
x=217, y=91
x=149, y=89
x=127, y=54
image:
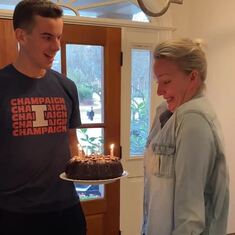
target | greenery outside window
x=140, y=100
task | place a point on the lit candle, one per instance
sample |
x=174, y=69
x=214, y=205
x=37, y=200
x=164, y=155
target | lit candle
x=79, y=150
x=100, y=148
x=111, y=149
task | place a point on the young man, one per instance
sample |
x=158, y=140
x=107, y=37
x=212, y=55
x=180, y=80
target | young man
x=39, y=114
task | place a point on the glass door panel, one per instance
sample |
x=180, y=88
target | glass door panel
x=57, y=62
x=89, y=192
x=91, y=140
x=140, y=100
x=86, y=68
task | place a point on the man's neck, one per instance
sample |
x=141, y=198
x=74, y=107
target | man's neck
x=23, y=67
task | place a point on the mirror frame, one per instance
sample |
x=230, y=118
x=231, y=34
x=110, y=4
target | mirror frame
x=160, y=13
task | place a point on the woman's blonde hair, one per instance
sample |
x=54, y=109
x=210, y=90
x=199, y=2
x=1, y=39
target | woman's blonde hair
x=187, y=53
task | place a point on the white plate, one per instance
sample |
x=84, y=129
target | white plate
x=105, y=181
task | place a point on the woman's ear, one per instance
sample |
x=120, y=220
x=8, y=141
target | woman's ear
x=195, y=79
x=194, y=75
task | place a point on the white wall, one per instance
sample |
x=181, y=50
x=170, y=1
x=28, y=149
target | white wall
x=214, y=21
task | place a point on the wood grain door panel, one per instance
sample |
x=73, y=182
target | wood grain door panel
x=8, y=43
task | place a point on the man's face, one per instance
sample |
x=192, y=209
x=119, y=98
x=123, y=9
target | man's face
x=40, y=45
x=173, y=84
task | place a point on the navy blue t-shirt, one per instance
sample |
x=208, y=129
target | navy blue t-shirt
x=35, y=115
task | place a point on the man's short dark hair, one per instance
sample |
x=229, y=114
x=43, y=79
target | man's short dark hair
x=26, y=10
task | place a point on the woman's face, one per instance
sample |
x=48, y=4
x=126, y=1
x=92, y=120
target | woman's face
x=174, y=85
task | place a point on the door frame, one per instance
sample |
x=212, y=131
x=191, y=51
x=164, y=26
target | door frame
x=102, y=214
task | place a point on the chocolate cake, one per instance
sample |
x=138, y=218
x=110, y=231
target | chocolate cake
x=94, y=167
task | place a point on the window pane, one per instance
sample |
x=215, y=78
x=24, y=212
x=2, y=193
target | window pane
x=113, y=10
x=120, y=10
x=89, y=192
x=57, y=62
x=140, y=100
x=85, y=67
x=7, y=7
x=68, y=12
x=92, y=141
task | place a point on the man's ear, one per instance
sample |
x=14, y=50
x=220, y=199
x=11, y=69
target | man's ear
x=20, y=35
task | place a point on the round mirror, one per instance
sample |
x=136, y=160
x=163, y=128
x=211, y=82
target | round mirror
x=156, y=8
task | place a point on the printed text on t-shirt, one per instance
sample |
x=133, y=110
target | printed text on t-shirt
x=38, y=116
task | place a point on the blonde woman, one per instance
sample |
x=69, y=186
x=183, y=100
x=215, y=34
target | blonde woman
x=186, y=178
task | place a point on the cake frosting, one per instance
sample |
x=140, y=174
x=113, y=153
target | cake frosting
x=94, y=167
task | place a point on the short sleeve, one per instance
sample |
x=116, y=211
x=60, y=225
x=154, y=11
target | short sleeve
x=75, y=119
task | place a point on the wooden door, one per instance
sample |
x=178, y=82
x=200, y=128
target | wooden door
x=8, y=44
x=102, y=214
